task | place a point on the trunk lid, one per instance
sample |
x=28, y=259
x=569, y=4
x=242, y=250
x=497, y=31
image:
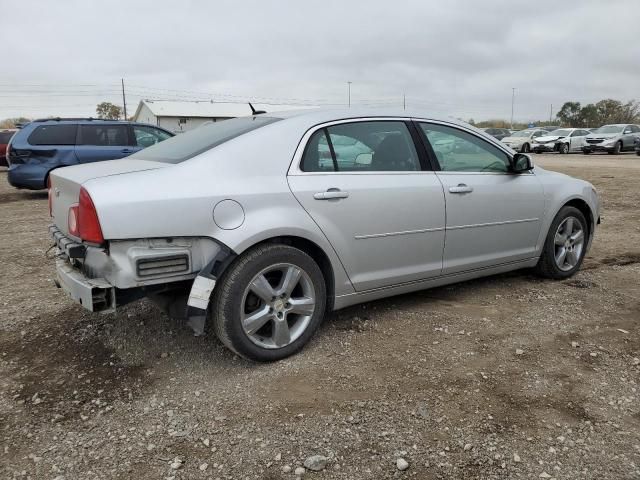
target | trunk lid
x=66, y=183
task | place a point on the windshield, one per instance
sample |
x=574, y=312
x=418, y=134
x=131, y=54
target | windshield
x=561, y=132
x=523, y=133
x=194, y=142
x=610, y=129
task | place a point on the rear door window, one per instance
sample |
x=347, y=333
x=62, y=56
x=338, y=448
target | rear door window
x=103, y=135
x=64, y=134
x=376, y=146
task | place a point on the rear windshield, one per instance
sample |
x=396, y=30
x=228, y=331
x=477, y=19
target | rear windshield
x=5, y=137
x=187, y=145
x=64, y=134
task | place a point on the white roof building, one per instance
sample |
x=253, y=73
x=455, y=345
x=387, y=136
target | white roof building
x=180, y=116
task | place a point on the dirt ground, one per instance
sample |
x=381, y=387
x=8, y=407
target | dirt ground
x=505, y=377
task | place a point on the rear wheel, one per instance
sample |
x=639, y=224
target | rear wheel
x=269, y=303
x=565, y=245
x=586, y=152
x=525, y=148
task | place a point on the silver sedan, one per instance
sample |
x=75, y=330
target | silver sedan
x=254, y=228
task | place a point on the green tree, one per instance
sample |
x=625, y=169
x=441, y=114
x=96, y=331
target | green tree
x=108, y=111
x=589, y=116
x=569, y=114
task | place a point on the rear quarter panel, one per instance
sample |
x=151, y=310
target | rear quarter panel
x=179, y=201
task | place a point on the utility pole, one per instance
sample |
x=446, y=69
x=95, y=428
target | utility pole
x=404, y=101
x=349, y=93
x=550, y=112
x=513, y=96
x=124, y=100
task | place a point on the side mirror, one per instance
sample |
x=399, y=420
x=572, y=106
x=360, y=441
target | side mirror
x=521, y=162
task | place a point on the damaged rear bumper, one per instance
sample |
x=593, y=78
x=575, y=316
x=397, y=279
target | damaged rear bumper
x=94, y=294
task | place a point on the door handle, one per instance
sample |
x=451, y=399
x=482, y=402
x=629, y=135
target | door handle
x=330, y=194
x=461, y=188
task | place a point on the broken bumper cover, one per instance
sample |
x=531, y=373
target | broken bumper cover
x=94, y=294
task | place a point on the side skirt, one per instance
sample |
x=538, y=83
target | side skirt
x=375, y=294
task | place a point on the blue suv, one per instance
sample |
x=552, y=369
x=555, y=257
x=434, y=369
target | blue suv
x=42, y=145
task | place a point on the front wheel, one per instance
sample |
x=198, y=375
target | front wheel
x=525, y=148
x=565, y=245
x=617, y=148
x=269, y=302
x=564, y=148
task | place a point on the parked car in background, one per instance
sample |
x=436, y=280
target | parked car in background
x=44, y=145
x=5, y=136
x=244, y=226
x=563, y=140
x=498, y=133
x=521, y=141
x=613, y=139
x=550, y=128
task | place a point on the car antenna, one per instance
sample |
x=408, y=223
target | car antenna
x=254, y=111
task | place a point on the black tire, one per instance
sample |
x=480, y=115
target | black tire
x=547, y=266
x=228, y=295
x=617, y=148
x=564, y=148
x=525, y=148
x=586, y=152
x=638, y=152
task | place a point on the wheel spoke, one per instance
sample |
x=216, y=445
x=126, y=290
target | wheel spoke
x=256, y=320
x=302, y=306
x=578, y=237
x=560, y=239
x=262, y=288
x=281, y=335
x=289, y=281
x=568, y=228
x=572, y=258
x=561, y=255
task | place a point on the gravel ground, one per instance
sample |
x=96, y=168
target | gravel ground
x=505, y=377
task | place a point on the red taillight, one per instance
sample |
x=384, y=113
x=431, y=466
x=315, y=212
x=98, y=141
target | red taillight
x=89, y=225
x=83, y=220
x=49, y=196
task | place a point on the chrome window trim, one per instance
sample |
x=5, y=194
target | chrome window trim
x=295, y=170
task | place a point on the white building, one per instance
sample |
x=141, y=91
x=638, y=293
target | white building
x=180, y=116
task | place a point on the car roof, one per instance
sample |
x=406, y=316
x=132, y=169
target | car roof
x=322, y=115
x=89, y=121
x=78, y=120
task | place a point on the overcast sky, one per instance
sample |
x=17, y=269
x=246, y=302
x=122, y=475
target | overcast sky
x=460, y=57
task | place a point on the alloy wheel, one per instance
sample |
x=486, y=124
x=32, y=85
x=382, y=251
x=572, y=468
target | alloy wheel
x=569, y=243
x=277, y=305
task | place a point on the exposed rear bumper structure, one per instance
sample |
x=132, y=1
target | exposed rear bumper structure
x=94, y=294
